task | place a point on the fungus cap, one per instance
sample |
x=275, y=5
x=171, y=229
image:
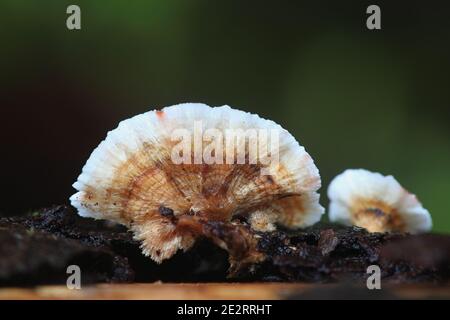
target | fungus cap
x=375, y=202
x=131, y=178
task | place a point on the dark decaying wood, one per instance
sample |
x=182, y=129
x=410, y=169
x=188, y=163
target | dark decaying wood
x=36, y=250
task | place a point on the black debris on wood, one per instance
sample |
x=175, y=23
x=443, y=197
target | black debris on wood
x=330, y=253
x=38, y=248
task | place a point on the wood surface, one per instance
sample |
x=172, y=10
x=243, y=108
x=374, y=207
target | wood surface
x=214, y=291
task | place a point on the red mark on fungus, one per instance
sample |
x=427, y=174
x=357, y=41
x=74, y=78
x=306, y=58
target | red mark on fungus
x=160, y=114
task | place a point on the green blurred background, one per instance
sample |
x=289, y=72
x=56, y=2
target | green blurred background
x=353, y=97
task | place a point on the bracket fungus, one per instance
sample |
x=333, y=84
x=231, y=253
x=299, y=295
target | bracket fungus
x=171, y=182
x=375, y=202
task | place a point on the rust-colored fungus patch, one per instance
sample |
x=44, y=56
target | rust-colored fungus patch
x=376, y=216
x=160, y=114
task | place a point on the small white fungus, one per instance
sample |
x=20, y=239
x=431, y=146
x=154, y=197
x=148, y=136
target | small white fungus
x=375, y=202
